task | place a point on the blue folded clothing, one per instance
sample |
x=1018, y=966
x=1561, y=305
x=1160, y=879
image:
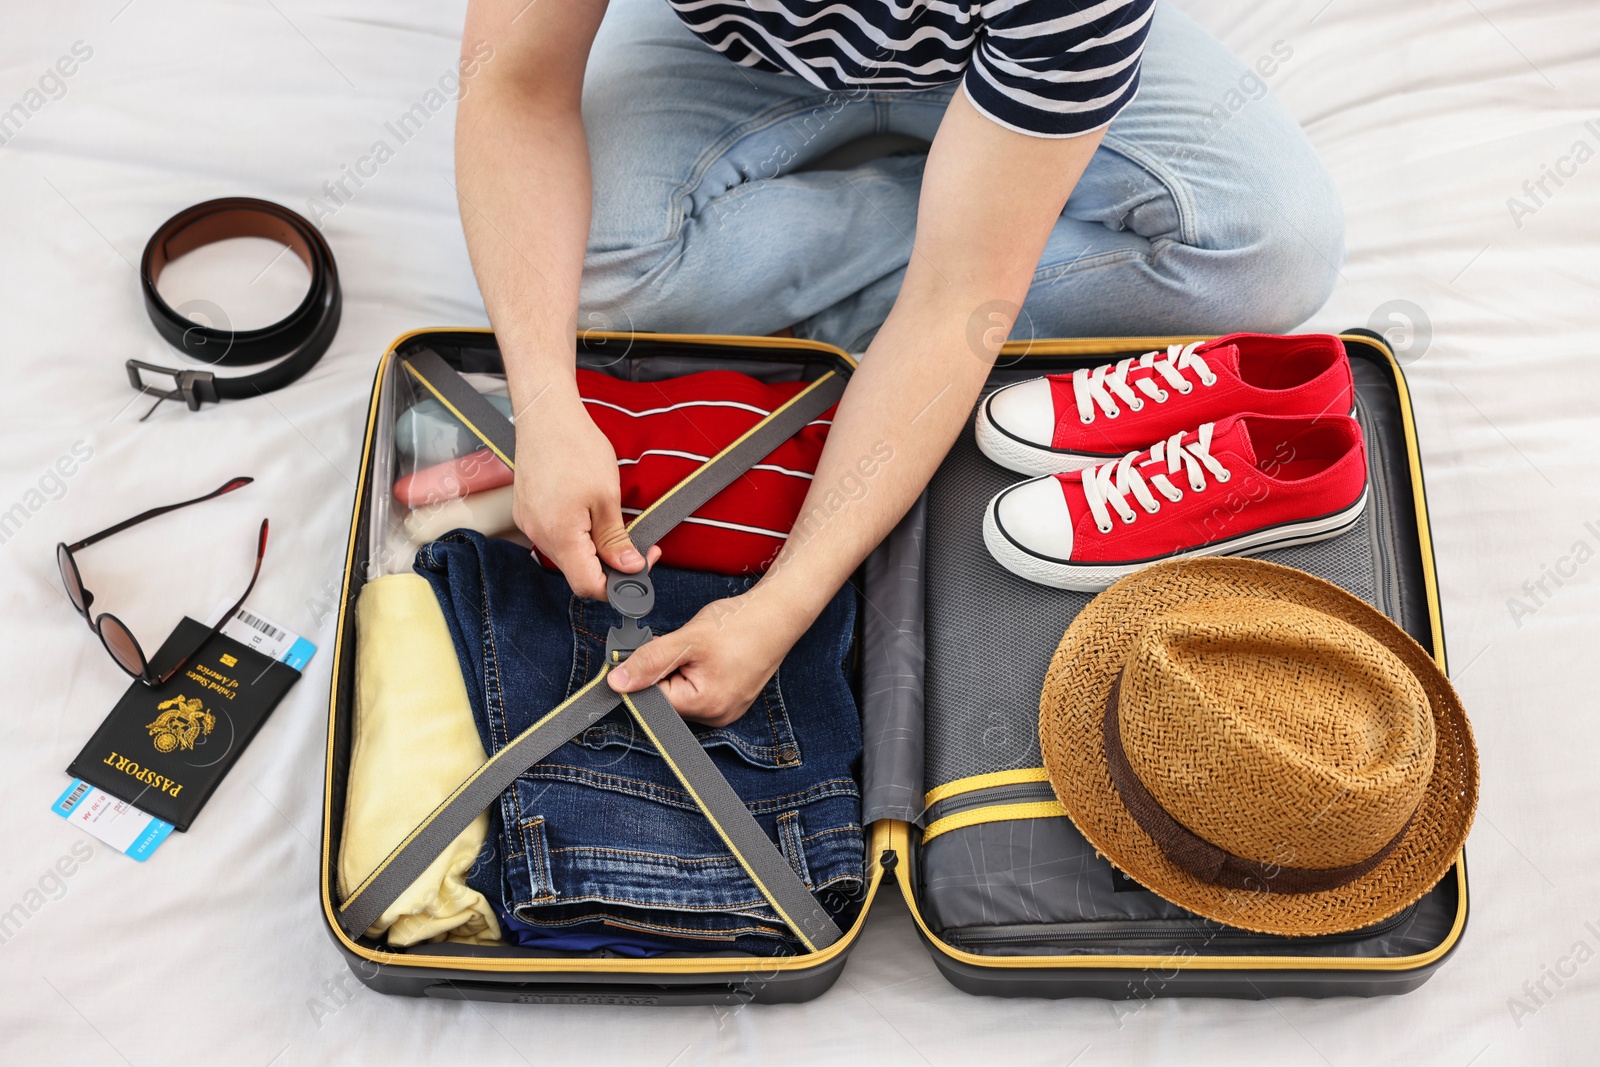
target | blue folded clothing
x=600, y=838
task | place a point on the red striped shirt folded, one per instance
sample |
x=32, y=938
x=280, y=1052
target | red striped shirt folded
x=662, y=431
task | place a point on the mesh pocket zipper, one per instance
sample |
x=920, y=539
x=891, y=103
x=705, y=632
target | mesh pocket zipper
x=1386, y=577
x=1118, y=932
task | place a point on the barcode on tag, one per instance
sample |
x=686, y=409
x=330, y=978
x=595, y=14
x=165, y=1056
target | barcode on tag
x=71, y=799
x=270, y=638
x=259, y=623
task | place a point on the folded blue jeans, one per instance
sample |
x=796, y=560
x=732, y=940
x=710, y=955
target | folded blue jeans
x=600, y=839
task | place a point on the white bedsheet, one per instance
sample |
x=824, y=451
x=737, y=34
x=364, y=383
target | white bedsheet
x=1430, y=115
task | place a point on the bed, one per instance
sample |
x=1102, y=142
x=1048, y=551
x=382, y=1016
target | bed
x=1461, y=135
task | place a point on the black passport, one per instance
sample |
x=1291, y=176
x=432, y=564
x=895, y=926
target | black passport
x=164, y=750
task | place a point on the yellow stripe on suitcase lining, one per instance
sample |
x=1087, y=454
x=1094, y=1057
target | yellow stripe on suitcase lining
x=898, y=842
x=1020, y=776
x=1037, y=809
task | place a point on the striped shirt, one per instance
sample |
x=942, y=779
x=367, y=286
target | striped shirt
x=1050, y=68
x=662, y=431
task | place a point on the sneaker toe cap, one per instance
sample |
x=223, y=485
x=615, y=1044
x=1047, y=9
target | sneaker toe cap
x=1026, y=411
x=1033, y=515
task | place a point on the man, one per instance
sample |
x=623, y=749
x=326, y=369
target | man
x=1106, y=166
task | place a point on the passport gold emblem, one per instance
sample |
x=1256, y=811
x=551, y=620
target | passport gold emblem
x=180, y=724
x=228, y=661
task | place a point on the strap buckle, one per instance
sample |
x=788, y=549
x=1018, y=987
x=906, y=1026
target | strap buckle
x=632, y=595
x=193, y=387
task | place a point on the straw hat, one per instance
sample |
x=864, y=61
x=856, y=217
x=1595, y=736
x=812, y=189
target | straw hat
x=1282, y=757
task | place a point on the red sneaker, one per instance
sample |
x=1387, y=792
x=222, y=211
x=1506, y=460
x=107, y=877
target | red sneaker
x=1289, y=481
x=1066, y=422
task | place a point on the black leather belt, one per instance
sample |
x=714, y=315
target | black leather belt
x=297, y=341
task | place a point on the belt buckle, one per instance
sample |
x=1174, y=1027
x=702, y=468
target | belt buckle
x=632, y=595
x=193, y=387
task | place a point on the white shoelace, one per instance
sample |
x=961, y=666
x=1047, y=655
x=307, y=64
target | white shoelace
x=1112, y=483
x=1108, y=383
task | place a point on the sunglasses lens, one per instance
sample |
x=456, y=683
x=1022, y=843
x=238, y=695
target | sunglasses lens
x=69, y=576
x=120, y=643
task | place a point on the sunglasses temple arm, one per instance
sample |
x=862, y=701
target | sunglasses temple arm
x=261, y=551
x=227, y=487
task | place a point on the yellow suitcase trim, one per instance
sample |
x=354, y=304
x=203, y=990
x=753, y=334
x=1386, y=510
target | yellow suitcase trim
x=900, y=842
x=878, y=833
x=889, y=836
x=1033, y=809
x=1020, y=776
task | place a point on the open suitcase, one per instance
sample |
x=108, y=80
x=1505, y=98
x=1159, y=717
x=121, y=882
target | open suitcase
x=1008, y=897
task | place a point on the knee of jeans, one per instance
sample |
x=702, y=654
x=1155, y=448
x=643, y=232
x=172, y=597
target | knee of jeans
x=1276, y=256
x=668, y=279
x=633, y=233
x=624, y=289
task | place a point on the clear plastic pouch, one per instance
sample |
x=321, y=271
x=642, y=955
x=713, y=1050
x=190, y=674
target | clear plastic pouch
x=430, y=474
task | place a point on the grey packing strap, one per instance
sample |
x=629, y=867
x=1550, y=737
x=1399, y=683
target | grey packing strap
x=756, y=853
x=733, y=822
x=413, y=855
x=488, y=425
x=727, y=466
x=677, y=744
x=464, y=402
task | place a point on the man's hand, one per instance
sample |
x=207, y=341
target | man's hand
x=714, y=666
x=569, y=501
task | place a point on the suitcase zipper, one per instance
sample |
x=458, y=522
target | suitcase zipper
x=1172, y=931
x=1386, y=579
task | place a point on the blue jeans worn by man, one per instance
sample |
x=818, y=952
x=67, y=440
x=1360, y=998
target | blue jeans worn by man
x=1205, y=209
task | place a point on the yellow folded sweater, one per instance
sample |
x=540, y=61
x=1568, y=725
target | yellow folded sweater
x=413, y=742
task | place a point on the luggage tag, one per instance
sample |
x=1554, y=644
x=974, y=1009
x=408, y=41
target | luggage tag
x=116, y=822
x=127, y=828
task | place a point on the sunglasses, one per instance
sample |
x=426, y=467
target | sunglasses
x=114, y=634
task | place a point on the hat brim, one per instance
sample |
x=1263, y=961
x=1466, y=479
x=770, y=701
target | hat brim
x=1071, y=737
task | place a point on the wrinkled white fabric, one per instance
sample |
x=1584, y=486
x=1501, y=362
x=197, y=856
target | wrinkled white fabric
x=1431, y=118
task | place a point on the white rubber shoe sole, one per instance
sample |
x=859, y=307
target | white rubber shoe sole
x=1021, y=456
x=1093, y=577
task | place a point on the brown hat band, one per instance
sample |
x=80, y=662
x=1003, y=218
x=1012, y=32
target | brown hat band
x=1200, y=857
